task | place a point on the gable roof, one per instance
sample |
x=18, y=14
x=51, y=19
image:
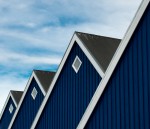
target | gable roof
x=43, y=79
x=113, y=64
x=102, y=48
x=15, y=95
x=93, y=54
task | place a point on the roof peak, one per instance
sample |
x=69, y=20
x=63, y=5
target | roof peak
x=45, y=78
x=101, y=48
x=16, y=95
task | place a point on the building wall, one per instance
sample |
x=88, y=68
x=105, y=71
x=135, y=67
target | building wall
x=29, y=108
x=7, y=116
x=125, y=103
x=71, y=94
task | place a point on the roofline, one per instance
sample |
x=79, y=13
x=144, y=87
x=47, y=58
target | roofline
x=74, y=39
x=8, y=97
x=44, y=70
x=39, y=83
x=113, y=64
x=89, y=56
x=13, y=99
x=98, y=35
x=24, y=94
x=96, y=64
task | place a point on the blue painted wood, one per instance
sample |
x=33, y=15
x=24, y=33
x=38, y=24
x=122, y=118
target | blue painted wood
x=125, y=103
x=7, y=116
x=29, y=108
x=71, y=94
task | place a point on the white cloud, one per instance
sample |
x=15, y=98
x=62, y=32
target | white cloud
x=7, y=82
x=49, y=25
x=23, y=60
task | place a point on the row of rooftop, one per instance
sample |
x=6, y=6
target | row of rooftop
x=76, y=96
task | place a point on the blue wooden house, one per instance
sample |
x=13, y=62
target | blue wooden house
x=102, y=83
x=79, y=74
x=9, y=108
x=31, y=99
x=122, y=99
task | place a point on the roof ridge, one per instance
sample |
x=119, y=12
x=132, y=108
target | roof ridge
x=38, y=70
x=96, y=35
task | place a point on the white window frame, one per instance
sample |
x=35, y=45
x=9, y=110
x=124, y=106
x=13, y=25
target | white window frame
x=76, y=58
x=32, y=93
x=11, y=108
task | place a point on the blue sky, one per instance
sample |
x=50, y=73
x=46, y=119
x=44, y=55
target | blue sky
x=34, y=34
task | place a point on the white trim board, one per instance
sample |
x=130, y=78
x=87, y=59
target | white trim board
x=74, y=40
x=24, y=94
x=8, y=97
x=90, y=57
x=39, y=84
x=113, y=64
x=13, y=99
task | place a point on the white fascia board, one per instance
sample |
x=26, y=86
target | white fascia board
x=90, y=57
x=21, y=100
x=39, y=83
x=113, y=64
x=8, y=97
x=13, y=99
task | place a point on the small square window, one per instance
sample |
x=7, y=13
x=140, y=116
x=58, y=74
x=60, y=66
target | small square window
x=34, y=93
x=76, y=64
x=11, y=108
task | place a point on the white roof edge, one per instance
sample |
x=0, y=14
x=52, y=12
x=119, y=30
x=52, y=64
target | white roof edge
x=73, y=40
x=13, y=99
x=22, y=98
x=90, y=57
x=9, y=95
x=112, y=65
x=39, y=84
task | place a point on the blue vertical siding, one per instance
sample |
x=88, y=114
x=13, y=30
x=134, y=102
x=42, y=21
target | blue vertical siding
x=29, y=108
x=125, y=103
x=71, y=94
x=7, y=116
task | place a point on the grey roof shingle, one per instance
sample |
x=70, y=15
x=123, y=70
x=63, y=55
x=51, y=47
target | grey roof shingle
x=45, y=78
x=16, y=95
x=101, y=48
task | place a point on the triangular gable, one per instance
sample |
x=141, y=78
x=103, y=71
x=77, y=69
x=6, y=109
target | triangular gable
x=113, y=64
x=75, y=39
x=101, y=48
x=11, y=95
x=16, y=95
x=45, y=78
x=38, y=80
